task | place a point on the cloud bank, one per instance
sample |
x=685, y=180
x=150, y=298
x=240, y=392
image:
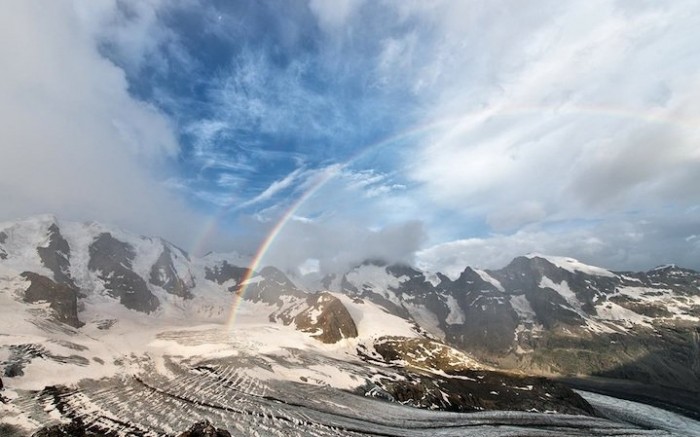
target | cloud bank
x=74, y=141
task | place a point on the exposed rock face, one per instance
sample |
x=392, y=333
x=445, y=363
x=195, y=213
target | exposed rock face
x=524, y=275
x=3, y=239
x=326, y=314
x=480, y=390
x=225, y=272
x=320, y=313
x=580, y=333
x=23, y=354
x=56, y=256
x=164, y=274
x=205, y=429
x=424, y=354
x=488, y=320
x=270, y=286
x=437, y=376
x=112, y=260
x=75, y=428
x=374, y=292
x=63, y=299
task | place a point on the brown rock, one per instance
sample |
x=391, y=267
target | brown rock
x=62, y=298
x=326, y=314
x=205, y=429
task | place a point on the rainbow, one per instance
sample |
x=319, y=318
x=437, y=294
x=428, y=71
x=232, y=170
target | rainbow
x=321, y=179
x=455, y=124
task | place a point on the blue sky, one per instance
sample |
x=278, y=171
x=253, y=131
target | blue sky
x=265, y=99
x=446, y=132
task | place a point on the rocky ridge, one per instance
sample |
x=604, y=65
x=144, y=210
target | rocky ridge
x=552, y=315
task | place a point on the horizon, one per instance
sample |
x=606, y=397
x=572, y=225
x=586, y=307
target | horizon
x=311, y=134
x=452, y=271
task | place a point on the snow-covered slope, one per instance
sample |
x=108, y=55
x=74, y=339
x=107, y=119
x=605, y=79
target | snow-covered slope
x=550, y=315
x=88, y=309
x=98, y=322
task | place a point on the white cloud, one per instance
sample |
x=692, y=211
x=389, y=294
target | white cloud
x=579, y=109
x=338, y=244
x=627, y=243
x=332, y=16
x=74, y=142
x=516, y=215
x=274, y=188
x=133, y=30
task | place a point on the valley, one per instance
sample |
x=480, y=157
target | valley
x=130, y=336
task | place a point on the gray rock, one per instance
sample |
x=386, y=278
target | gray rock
x=433, y=377
x=3, y=239
x=112, y=260
x=327, y=317
x=56, y=256
x=62, y=298
x=224, y=272
x=489, y=319
x=7, y=430
x=272, y=287
x=164, y=274
x=205, y=429
x=76, y=428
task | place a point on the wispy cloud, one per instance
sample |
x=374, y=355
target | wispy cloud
x=274, y=188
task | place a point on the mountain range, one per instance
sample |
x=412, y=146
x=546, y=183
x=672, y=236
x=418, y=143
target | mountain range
x=98, y=321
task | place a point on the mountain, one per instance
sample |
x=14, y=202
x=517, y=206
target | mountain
x=551, y=315
x=121, y=334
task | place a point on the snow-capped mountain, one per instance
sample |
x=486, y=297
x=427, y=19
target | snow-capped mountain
x=552, y=315
x=98, y=325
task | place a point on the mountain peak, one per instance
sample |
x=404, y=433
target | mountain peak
x=665, y=267
x=570, y=264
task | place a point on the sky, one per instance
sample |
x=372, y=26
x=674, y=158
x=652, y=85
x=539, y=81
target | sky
x=436, y=133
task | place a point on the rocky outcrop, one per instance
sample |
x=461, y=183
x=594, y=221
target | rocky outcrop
x=62, y=298
x=112, y=260
x=480, y=390
x=270, y=286
x=23, y=354
x=423, y=354
x=436, y=376
x=205, y=429
x=165, y=275
x=488, y=320
x=327, y=318
x=321, y=314
x=524, y=275
x=76, y=428
x=3, y=239
x=56, y=256
x=224, y=272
